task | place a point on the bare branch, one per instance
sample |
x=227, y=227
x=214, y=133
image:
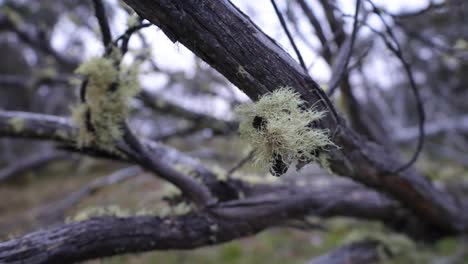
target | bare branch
x=55, y=212
x=340, y=65
x=327, y=54
x=434, y=128
x=291, y=39
x=21, y=124
x=100, y=13
x=200, y=120
x=33, y=40
x=189, y=186
x=397, y=51
x=29, y=163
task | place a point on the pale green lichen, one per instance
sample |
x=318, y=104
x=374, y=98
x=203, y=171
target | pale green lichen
x=133, y=20
x=90, y=212
x=16, y=123
x=276, y=127
x=61, y=134
x=108, y=92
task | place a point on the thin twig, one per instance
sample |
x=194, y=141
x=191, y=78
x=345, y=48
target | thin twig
x=193, y=189
x=100, y=13
x=319, y=92
x=342, y=65
x=291, y=40
x=125, y=37
x=395, y=48
x=240, y=164
x=55, y=212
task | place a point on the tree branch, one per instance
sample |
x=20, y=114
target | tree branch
x=29, y=163
x=226, y=39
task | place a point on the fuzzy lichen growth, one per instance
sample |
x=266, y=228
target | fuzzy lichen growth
x=105, y=108
x=16, y=123
x=279, y=129
x=90, y=212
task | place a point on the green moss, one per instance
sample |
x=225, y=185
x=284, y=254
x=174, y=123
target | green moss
x=106, y=107
x=276, y=127
x=16, y=123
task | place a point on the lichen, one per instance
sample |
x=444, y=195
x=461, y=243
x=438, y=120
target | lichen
x=16, y=123
x=133, y=20
x=90, y=212
x=105, y=108
x=278, y=127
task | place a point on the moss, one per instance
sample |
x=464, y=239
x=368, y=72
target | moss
x=16, y=123
x=108, y=92
x=280, y=131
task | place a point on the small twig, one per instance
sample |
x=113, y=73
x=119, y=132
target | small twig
x=291, y=40
x=395, y=48
x=319, y=92
x=29, y=163
x=344, y=56
x=240, y=164
x=125, y=37
x=190, y=187
x=55, y=212
x=100, y=13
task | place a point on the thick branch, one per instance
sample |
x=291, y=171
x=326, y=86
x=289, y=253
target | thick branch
x=226, y=39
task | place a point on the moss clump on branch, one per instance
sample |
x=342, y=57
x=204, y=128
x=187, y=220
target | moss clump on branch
x=105, y=107
x=279, y=129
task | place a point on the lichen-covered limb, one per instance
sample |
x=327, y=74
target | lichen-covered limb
x=363, y=252
x=27, y=125
x=107, y=236
x=36, y=126
x=227, y=39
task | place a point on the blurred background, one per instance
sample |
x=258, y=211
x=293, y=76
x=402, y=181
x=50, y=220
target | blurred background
x=187, y=105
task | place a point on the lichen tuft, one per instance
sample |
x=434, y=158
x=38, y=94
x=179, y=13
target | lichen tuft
x=105, y=108
x=279, y=129
x=16, y=123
